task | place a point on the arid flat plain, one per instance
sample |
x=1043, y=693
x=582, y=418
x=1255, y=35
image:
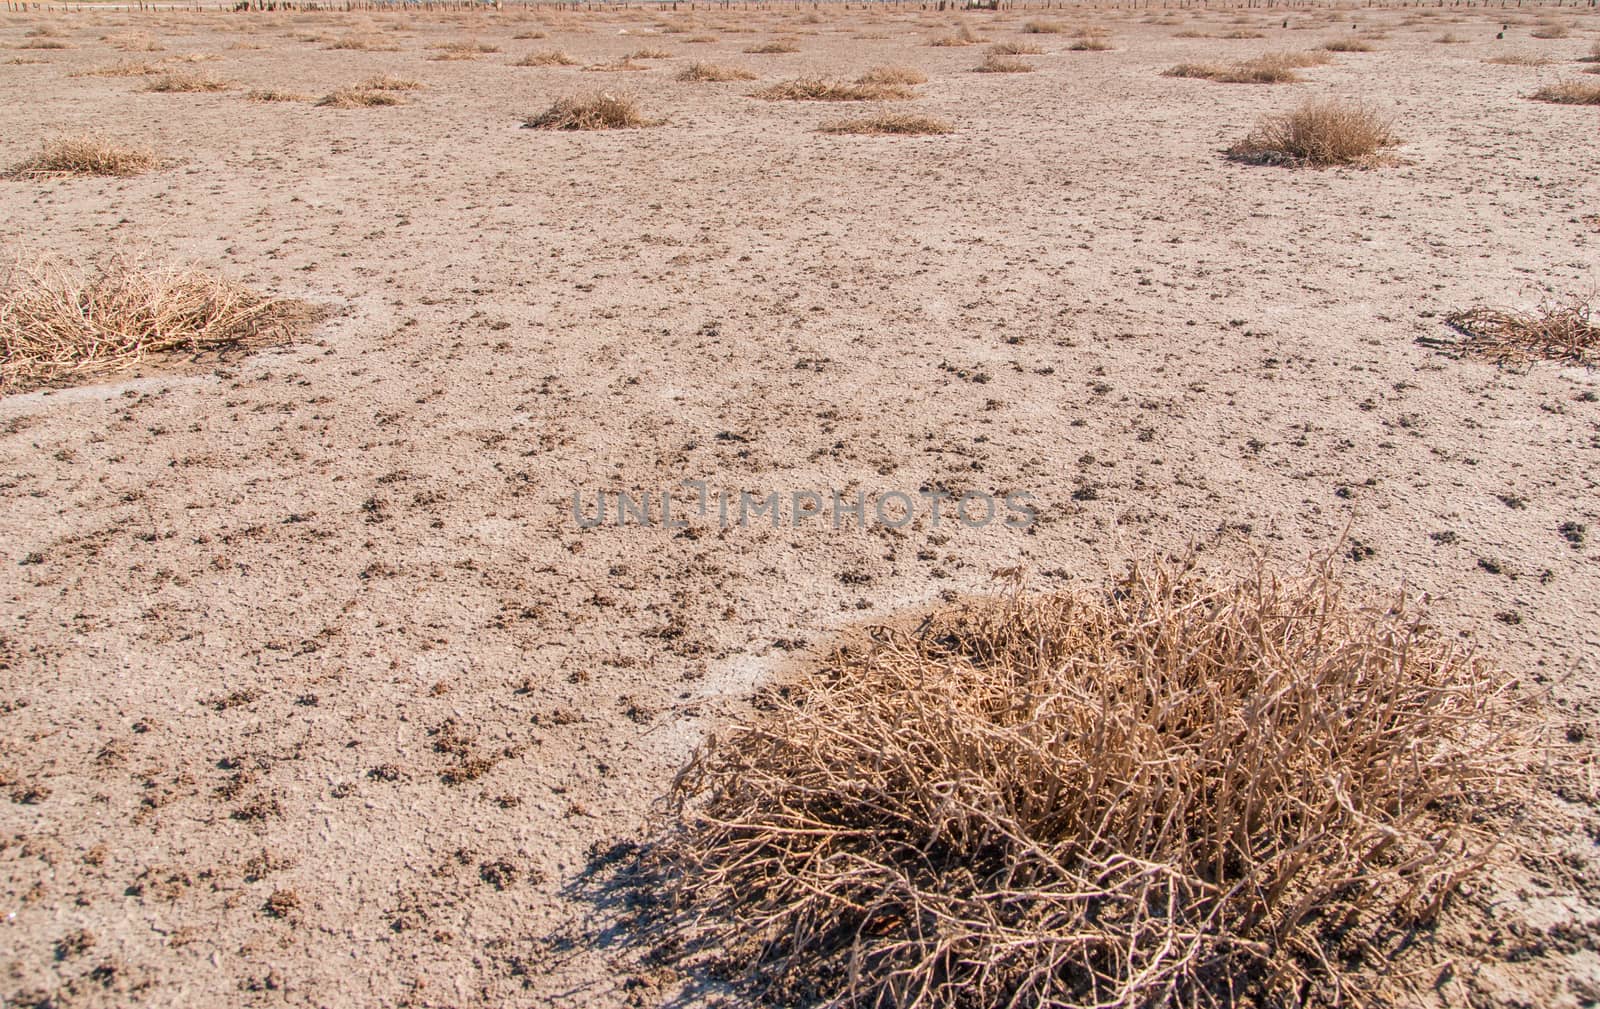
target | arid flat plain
x=313, y=691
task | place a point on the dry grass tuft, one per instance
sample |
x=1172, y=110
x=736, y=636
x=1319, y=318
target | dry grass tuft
x=714, y=73
x=592, y=112
x=893, y=75
x=1551, y=30
x=1271, y=68
x=272, y=95
x=466, y=47
x=619, y=66
x=648, y=54
x=359, y=98
x=364, y=43
x=1318, y=133
x=43, y=44
x=1015, y=49
x=773, y=47
x=85, y=156
x=548, y=58
x=1520, y=60
x=812, y=90
x=182, y=83
x=963, y=36
x=890, y=123
x=1552, y=332
x=1569, y=93
x=1347, y=46
x=1178, y=787
x=1090, y=40
x=57, y=325
x=994, y=64
x=1043, y=28
x=133, y=42
x=123, y=70
x=385, y=82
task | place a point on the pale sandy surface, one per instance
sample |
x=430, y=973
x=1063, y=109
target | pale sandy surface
x=261, y=591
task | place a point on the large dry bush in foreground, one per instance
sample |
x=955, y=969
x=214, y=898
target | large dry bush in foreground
x=1159, y=795
x=1555, y=332
x=1318, y=133
x=56, y=323
x=591, y=112
x=85, y=156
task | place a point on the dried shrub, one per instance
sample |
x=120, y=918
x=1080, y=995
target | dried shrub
x=364, y=43
x=963, y=36
x=993, y=64
x=592, y=112
x=1347, y=46
x=1569, y=93
x=1520, y=60
x=186, y=83
x=1552, y=332
x=617, y=67
x=87, y=155
x=773, y=48
x=273, y=95
x=466, y=47
x=1551, y=30
x=811, y=90
x=1318, y=133
x=385, y=82
x=648, y=54
x=1176, y=792
x=1271, y=68
x=1015, y=49
x=714, y=73
x=43, y=44
x=59, y=324
x=1043, y=28
x=1090, y=40
x=135, y=42
x=547, y=58
x=890, y=123
x=127, y=69
x=359, y=98
x=893, y=75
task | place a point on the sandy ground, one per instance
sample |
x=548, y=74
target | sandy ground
x=313, y=692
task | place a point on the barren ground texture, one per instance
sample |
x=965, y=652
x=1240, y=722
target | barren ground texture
x=313, y=692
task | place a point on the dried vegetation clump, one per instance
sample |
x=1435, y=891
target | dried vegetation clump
x=1556, y=331
x=1176, y=789
x=1318, y=134
x=58, y=323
